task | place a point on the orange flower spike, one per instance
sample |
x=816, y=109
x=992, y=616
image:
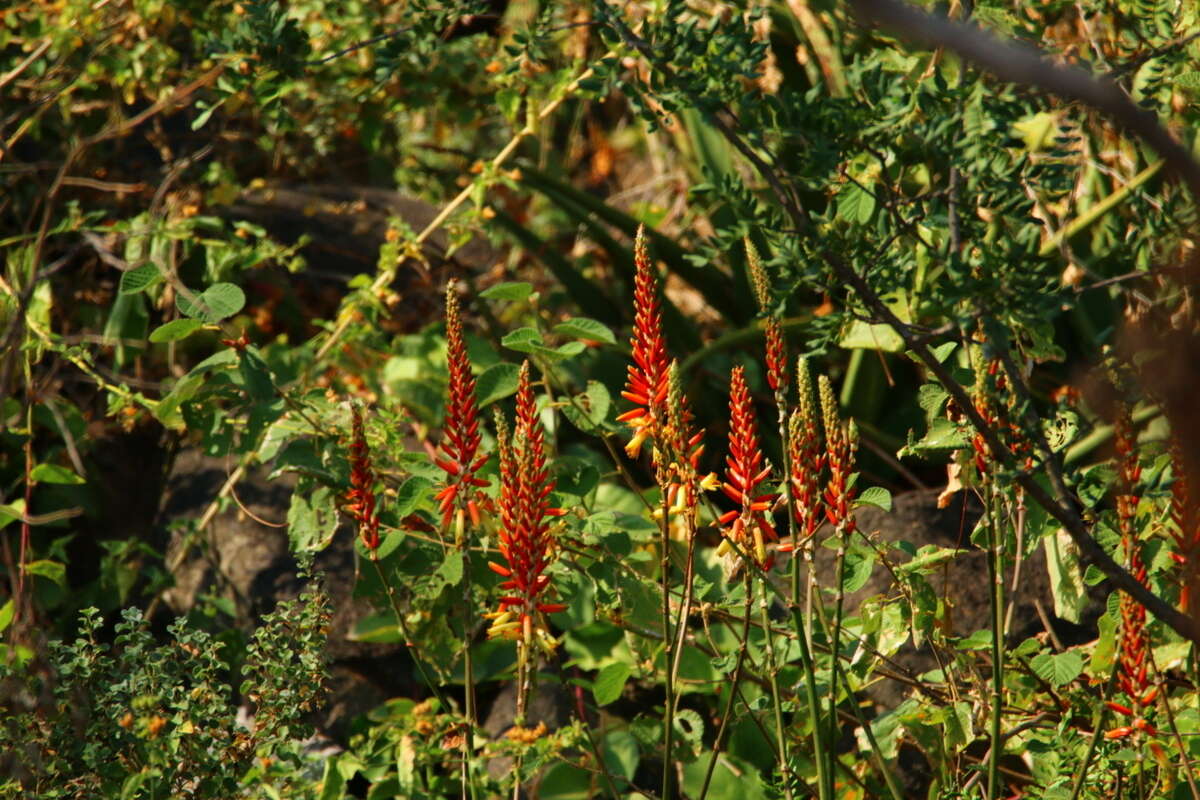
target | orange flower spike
x=841, y=441
x=777, y=375
x=1133, y=677
x=526, y=540
x=460, y=435
x=361, y=498
x=1185, y=516
x=646, y=384
x=744, y=472
x=807, y=458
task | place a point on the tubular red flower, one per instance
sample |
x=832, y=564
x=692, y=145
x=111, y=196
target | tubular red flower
x=646, y=385
x=1185, y=517
x=745, y=471
x=460, y=433
x=840, y=444
x=807, y=460
x=360, y=501
x=526, y=539
x=1133, y=678
x=777, y=375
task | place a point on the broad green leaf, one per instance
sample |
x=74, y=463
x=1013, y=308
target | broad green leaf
x=584, y=328
x=6, y=615
x=515, y=290
x=451, y=570
x=139, y=279
x=610, y=682
x=175, y=330
x=960, y=730
x=621, y=754
x=54, y=473
x=217, y=302
x=11, y=512
x=496, y=383
x=312, y=517
x=48, y=569
x=589, y=409
x=875, y=496
x=410, y=495
x=563, y=781
x=855, y=203
x=379, y=628
x=979, y=640
x=523, y=340
x=1057, y=669
x=1066, y=576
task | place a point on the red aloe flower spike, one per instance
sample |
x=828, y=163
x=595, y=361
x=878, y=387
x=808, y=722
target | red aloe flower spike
x=360, y=501
x=460, y=435
x=777, y=376
x=748, y=524
x=646, y=385
x=526, y=539
x=807, y=459
x=840, y=443
x=679, y=460
x=1135, y=642
x=1186, y=519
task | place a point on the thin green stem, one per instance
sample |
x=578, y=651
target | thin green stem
x=835, y=643
x=733, y=692
x=409, y=642
x=776, y=700
x=996, y=575
x=664, y=527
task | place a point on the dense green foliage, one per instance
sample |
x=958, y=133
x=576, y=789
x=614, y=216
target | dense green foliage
x=999, y=282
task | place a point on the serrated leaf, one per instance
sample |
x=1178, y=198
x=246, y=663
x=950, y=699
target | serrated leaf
x=584, y=328
x=55, y=473
x=1057, y=669
x=523, y=340
x=175, y=330
x=610, y=682
x=496, y=383
x=139, y=279
x=855, y=204
x=875, y=496
x=513, y=290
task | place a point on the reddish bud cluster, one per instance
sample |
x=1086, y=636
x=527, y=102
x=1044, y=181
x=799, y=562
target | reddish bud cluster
x=748, y=524
x=526, y=542
x=647, y=383
x=460, y=434
x=1133, y=678
x=360, y=501
x=777, y=376
x=840, y=446
x=807, y=460
x=1185, y=517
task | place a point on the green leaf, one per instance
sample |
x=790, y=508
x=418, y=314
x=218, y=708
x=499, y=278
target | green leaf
x=333, y=783
x=53, y=473
x=175, y=330
x=496, y=383
x=584, y=328
x=514, y=290
x=256, y=375
x=523, y=340
x=610, y=682
x=378, y=628
x=48, y=569
x=139, y=279
x=312, y=517
x=875, y=496
x=6, y=615
x=410, y=494
x=11, y=512
x=1057, y=669
x=589, y=410
x=1066, y=576
x=217, y=302
x=979, y=640
x=855, y=204
x=451, y=570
